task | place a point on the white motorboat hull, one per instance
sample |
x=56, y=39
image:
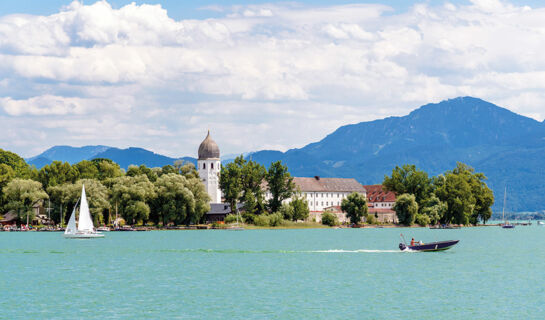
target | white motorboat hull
x=83, y=235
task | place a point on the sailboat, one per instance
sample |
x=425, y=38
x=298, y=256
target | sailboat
x=84, y=228
x=505, y=224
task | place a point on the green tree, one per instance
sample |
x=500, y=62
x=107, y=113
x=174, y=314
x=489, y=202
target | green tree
x=20, y=195
x=168, y=169
x=287, y=211
x=134, y=171
x=57, y=173
x=355, y=207
x=409, y=179
x=231, y=184
x=252, y=176
x=86, y=169
x=422, y=219
x=62, y=198
x=435, y=209
x=107, y=169
x=6, y=175
x=18, y=164
x=467, y=196
x=132, y=195
x=329, y=219
x=179, y=200
x=299, y=207
x=280, y=184
x=406, y=208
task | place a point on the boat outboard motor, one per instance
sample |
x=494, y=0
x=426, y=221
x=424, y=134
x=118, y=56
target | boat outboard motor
x=402, y=246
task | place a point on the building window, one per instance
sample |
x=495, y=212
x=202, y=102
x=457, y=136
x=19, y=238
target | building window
x=204, y=165
x=322, y=203
x=316, y=203
x=212, y=165
x=326, y=203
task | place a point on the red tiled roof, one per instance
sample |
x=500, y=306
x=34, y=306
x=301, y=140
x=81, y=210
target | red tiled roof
x=375, y=193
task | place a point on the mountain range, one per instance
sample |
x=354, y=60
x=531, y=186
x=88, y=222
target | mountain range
x=508, y=148
x=123, y=157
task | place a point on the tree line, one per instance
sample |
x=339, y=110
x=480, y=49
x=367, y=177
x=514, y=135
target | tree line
x=458, y=196
x=172, y=194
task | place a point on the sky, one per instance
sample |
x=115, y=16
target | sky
x=257, y=74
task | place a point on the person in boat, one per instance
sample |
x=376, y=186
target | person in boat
x=412, y=242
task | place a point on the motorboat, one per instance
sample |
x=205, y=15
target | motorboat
x=431, y=246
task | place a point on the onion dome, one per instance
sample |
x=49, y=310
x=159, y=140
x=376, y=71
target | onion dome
x=209, y=149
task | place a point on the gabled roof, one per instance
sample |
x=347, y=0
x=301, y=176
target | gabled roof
x=376, y=193
x=318, y=184
x=222, y=208
x=10, y=216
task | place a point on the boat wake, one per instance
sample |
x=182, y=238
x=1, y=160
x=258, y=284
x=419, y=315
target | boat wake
x=233, y=251
x=353, y=251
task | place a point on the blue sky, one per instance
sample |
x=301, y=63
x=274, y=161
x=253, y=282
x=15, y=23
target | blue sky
x=177, y=9
x=194, y=9
x=258, y=74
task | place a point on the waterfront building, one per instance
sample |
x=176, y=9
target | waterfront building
x=381, y=203
x=209, y=167
x=322, y=193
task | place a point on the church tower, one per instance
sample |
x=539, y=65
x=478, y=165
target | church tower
x=209, y=168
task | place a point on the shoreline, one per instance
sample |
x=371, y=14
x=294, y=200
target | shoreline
x=294, y=226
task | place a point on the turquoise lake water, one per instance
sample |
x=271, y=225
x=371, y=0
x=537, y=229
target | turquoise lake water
x=282, y=274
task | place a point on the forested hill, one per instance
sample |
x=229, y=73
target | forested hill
x=508, y=148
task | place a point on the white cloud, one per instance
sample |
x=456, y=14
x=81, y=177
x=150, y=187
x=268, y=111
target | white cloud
x=283, y=74
x=43, y=105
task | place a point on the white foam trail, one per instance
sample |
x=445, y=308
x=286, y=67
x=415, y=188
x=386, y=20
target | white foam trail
x=354, y=251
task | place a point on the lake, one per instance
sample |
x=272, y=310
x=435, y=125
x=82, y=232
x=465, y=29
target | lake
x=284, y=274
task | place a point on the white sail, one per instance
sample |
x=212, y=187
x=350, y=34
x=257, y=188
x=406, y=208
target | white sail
x=85, y=224
x=71, y=226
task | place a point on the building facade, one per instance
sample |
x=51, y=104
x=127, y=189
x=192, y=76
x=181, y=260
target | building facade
x=209, y=167
x=323, y=193
x=381, y=203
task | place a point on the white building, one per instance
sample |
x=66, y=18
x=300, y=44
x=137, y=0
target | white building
x=209, y=166
x=323, y=193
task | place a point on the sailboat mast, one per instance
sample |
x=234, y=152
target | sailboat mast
x=504, y=200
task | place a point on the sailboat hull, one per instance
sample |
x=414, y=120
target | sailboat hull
x=83, y=235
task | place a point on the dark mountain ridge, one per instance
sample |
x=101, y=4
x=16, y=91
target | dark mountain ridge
x=508, y=148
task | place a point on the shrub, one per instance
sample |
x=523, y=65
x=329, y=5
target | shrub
x=275, y=219
x=249, y=217
x=329, y=219
x=216, y=225
x=262, y=220
x=371, y=219
x=422, y=219
x=287, y=211
x=232, y=218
